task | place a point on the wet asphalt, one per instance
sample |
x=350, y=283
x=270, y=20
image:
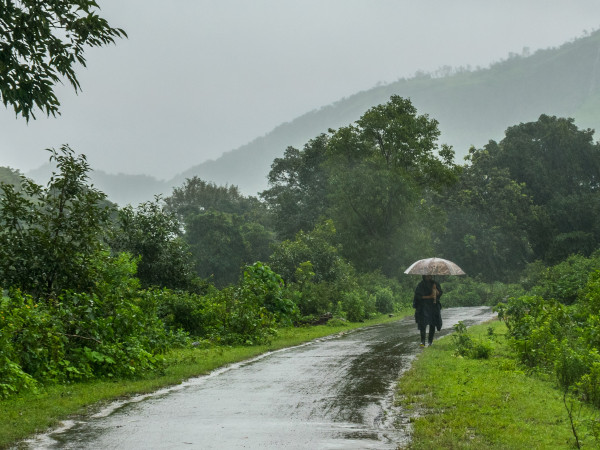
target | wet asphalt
x=332, y=393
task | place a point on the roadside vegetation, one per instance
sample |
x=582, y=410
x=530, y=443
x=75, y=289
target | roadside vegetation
x=98, y=301
x=529, y=380
x=463, y=402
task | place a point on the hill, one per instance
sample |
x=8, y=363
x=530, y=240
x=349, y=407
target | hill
x=472, y=107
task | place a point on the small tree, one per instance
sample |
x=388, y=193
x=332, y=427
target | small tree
x=50, y=235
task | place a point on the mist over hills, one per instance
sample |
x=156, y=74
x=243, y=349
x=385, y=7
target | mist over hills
x=471, y=106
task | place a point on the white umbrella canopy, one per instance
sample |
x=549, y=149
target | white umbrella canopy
x=434, y=266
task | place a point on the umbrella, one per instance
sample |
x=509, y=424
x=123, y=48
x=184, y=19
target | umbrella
x=434, y=266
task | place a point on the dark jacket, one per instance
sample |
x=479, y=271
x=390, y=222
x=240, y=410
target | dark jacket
x=426, y=311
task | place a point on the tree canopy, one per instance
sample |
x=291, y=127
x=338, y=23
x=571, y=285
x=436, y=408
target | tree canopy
x=370, y=178
x=41, y=42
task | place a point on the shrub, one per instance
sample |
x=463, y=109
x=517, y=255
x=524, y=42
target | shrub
x=384, y=300
x=353, y=306
x=468, y=347
x=466, y=291
x=565, y=281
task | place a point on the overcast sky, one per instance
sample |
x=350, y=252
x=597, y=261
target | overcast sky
x=197, y=78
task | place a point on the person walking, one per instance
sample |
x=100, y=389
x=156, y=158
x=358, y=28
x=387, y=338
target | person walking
x=428, y=307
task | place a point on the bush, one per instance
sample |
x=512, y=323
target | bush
x=466, y=291
x=353, y=306
x=113, y=332
x=467, y=347
x=565, y=281
x=26, y=343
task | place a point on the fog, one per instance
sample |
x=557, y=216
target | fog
x=197, y=78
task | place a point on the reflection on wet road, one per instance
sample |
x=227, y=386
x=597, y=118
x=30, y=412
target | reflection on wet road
x=328, y=394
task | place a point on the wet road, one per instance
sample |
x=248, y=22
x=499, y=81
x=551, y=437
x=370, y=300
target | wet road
x=334, y=393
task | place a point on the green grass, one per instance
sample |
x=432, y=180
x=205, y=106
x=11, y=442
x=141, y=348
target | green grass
x=31, y=413
x=487, y=403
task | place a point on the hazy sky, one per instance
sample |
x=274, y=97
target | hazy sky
x=197, y=78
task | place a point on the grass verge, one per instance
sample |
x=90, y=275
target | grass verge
x=32, y=413
x=490, y=403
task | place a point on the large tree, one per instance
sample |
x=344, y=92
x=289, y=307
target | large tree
x=42, y=42
x=374, y=178
x=224, y=229
x=297, y=196
x=487, y=213
x=559, y=166
x=383, y=172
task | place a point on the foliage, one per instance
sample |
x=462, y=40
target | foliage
x=217, y=246
x=384, y=300
x=538, y=187
x=297, y=196
x=244, y=314
x=467, y=346
x=390, y=295
x=353, y=306
x=260, y=281
x=316, y=246
x=224, y=229
x=80, y=336
x=196, y=196
x=379, y=197
x=558, y=336
x=153, y=235
x=487, y=216
x=564, y=281
x=469, y=291
x=41, y=42
x=51, y=236
x=316, y=275
x=11, y=176
x=374, y=179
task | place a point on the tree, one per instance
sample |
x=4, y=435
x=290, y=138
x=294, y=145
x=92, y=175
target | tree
x=551, y=156
x=373, y=178
x=559, y=167
x=224, y=229
x=217, y=246
x=11, y=176
x=381, y=172
x=51, y=237
x=487, y=213
x=297, y=197
x=197, y=196
x=42, y=42
x=154, y=235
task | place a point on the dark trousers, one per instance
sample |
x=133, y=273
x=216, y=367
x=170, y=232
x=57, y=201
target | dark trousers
x=431, y=333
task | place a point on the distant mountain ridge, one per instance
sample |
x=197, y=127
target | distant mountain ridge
x=471, y=107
